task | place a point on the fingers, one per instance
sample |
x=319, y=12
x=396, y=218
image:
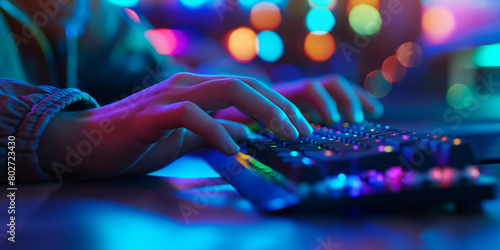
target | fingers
x=239, y=132
x=320, y=99
x=291, y=111
x=190, y=116
x=370, y=104
x=223, y=93
x=345, y=96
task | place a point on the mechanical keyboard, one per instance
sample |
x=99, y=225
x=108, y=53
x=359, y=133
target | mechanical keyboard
x=354, y=165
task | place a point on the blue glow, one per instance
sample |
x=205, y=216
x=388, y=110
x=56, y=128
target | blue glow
x=306, y=161
x=192, y=3
x=270, y=46
x=320, y=20
x=355, y=182
x=336, y=183
x=124, y=3
x=322, y=3
x=248, y=4
x=487, y=55
x=341, y=177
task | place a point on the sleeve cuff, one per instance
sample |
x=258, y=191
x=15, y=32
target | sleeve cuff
x=35, y=122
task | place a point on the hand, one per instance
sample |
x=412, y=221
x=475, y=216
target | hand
x=326, y=94
x=161, y=123
x=321, y=98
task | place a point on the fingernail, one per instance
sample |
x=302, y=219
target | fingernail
x=336, y=117
x=358, y=116
x=290, y=131
x=230, y=147
x=305, y=127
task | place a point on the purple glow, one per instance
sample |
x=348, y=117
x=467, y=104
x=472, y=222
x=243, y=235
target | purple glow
x=355, y=147
x=405, y=137
x=381, y=148
x=394, y=172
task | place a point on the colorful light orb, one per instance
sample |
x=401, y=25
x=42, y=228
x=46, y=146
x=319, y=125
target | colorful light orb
x=265, y=16
x=376, y=85
x=329, y=4
x=459, y=96
x=269, y=46
x=353, y=3
x=457, y=141
x=392, y=70
x=163, y=40
x=365, y=20
x=248, y=4
x=438, y=24
x=132, y=15
x=409, y=54
x=241, y=44
x=487, y=55
x=193, y=3
x=124, y=3
x=319, y=47
x=320, y=20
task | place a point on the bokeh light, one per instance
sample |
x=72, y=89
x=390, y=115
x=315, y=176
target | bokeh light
x=124, y=3
x=409, y=54
x=192, y=3
x=329, y=4
x=241, y=44
x=365, y=20
x=320, y=20
x=248, y=4
x=163, y=40
x=352, y=3
x=459, y=96
x=392, y=70
x=132, y=15
x=270, y=46
x=376, y=85
x=438, y=24
x=265, y=16
x=319, y=47
x=487, y=55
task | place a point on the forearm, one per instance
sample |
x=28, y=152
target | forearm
x=88, y=143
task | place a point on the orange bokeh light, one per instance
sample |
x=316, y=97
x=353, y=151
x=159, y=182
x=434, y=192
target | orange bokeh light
x=163, y=40
x=438, y=24
x=265, y=16
x=409, y=54
x=319, y=47
x=352, y=3
x=392, y=70
x=241, y=44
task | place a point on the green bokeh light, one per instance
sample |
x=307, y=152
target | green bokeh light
x=459, y=96
x=365, y=20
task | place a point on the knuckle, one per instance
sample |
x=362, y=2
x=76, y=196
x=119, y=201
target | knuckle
x=232, y=84
x=179, y=76
x=185, y=107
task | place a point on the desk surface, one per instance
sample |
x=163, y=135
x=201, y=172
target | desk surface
x=188, y=206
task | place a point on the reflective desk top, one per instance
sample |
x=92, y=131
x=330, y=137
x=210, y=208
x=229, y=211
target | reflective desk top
x=189, y=206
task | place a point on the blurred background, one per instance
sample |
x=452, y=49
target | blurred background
x=421, y=54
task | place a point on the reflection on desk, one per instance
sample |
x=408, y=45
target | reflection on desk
x=188, y=206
